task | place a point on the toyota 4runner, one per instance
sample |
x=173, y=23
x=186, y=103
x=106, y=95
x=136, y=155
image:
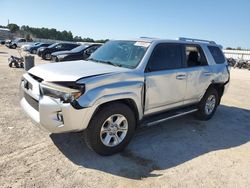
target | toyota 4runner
x=126, y=83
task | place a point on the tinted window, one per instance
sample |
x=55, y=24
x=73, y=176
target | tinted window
x=166, y=56
x=79, y=48
x=217, y=54
x=92, y=49
x=53, y=45
x=195, y=56
x=69, y=46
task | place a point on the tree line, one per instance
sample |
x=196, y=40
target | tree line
x=46, y=33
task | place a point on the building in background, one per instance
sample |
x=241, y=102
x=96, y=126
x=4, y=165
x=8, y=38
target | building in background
x=5, y=33
x=238, y=54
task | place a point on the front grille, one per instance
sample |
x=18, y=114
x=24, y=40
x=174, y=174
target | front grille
x=54, y=59
x=32, y=102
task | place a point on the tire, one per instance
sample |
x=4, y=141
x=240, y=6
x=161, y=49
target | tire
x=33, y=51
x=16, y=64
x=208, y=105
x=101, y=121
x=47, y=56
x=10, y=64
x=14, y=46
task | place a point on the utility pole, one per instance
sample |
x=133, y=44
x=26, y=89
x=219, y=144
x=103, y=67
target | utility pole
x=8, y=21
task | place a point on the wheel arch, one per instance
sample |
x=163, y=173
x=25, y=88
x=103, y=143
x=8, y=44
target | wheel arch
x=127, y=101
x=219, y=87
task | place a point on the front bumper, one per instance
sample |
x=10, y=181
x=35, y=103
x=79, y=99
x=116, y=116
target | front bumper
x=51, y=114
x=54, y=59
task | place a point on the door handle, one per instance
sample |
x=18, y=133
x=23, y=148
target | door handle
x=181, y=77
x=207, y=73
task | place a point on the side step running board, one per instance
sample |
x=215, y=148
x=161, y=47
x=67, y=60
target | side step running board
x=159, y=118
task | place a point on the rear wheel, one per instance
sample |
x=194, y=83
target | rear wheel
x=16, y=64
x=111, y=129
x=33, y=51
x=208, y=105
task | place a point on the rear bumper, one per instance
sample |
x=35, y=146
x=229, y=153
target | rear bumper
x=226, y=86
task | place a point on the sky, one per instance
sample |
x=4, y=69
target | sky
x=225, y=21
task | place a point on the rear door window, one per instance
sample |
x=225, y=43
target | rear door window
x=217, y=54
x=195, y=56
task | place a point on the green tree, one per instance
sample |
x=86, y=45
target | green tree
x=13, y=27
x=28, y=37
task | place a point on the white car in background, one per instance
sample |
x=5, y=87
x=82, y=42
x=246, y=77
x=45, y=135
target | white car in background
x=16, y=43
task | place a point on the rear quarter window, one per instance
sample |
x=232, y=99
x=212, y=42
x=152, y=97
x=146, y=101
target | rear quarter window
x=217, y=54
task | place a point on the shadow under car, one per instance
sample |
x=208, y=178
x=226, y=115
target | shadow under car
x=164, y=146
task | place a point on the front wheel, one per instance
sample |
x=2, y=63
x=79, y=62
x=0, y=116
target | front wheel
x=14, y=46
x=208, y=105
x=10, y=64
x=47, y=56
x=111, y=129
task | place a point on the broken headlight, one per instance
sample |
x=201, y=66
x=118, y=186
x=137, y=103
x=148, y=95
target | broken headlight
x=65, y=91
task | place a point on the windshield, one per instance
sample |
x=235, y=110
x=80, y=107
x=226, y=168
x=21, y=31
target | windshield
x=37, y=44
x=52, y=45
x=79, y=48
x=121, y=53
x=40, y=44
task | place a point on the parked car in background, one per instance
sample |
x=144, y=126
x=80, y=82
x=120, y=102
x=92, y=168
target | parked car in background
x=2, y=41
x=33, y=49
x=28, y=44
x=46, y=52
x=13, y=44
x=40, y=49
x=125, y=84
x=78, y=53
x=7, y=42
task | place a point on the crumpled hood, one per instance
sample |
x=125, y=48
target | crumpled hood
x=72, y=71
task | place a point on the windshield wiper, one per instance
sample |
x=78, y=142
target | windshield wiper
x=105, y=62
x=110, y=63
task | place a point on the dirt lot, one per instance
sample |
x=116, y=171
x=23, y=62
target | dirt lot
x=178, y=153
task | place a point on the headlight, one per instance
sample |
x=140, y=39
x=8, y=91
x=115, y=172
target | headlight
x=61, y=56
x=66, y=91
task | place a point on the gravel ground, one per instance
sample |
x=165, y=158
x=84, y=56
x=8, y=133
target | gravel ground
x=179, y=153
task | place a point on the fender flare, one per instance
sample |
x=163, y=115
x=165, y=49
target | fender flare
x=121, y=96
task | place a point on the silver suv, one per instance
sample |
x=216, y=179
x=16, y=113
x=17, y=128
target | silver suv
x=124, y=84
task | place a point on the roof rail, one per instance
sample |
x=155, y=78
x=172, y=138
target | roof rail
x=148, y=38
x=196, y=40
